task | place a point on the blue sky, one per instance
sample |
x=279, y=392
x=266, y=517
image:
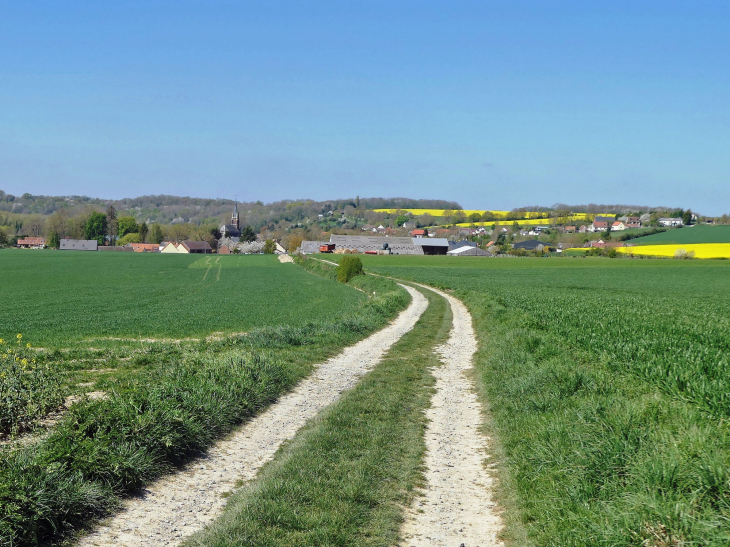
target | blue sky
x=493, y=104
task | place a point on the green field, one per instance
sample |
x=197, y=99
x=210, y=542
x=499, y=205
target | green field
x=608, y=386
x=168, y=390
x=701, y=233
x=57, y=299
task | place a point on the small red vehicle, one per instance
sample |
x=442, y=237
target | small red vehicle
x=327, y=248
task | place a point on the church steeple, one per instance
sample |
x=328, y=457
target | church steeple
x=234, y=217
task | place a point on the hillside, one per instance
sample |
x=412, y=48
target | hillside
x=687, y=235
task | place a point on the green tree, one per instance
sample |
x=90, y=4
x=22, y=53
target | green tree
x=3, y=238
x=127, y=225
x=143, y=232
x=401, y=220
x=269, y=247
x=687, y=217
x=54, y=240
x=156, y=234
x=96, y=228
x=475, y=217
x=247, y=234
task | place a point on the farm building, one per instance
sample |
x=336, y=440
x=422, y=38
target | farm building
x=79, y=245
x=671, y=222
x=618, y=226
x=196, y=247
x=529, y=245
x=453, y=245
x=311, y=247
x=396, y=245
x=32, y=243
x=364, y=244
x=468, y=251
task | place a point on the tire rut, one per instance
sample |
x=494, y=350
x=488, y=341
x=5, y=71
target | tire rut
x=456, y=506
x=178, y=505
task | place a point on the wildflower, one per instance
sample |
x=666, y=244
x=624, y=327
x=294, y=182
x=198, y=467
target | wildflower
x=19, y=336
x=27, y=345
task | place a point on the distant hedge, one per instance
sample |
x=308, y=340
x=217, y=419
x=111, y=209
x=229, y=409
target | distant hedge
x=349, y=267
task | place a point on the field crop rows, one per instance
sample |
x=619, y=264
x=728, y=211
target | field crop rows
x=161, y=401
x=688, y=235
x=59, y=299
x=608, y=383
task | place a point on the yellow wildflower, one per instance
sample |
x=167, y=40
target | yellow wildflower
x=19, y=336
x=27, y=345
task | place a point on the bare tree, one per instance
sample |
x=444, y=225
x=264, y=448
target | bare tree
x=112, y=226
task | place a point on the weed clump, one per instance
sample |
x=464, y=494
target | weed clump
x=28, y=390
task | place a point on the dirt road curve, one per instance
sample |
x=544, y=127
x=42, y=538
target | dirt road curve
x=456, y=507
x=180, y=504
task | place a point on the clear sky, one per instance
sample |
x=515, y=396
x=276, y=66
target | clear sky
x=495, y=104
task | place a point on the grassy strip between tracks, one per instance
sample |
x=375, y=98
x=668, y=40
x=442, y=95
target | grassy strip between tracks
x=346, y=477
x=156, y=417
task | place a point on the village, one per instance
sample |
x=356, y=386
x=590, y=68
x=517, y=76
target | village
x=404, y=234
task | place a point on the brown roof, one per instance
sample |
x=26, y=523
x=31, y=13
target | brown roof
x=32, y=241
x=600, y=224
x=197, y=245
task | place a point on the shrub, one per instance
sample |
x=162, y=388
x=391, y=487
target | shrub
x=349, y=267
x=683, y=254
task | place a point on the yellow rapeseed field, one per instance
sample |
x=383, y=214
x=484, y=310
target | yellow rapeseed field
x=497, y=214
x=507, y=223
x=700, y=250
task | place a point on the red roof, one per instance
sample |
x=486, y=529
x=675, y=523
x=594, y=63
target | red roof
x=418, y=232
x=141, y=247
x=32, y=241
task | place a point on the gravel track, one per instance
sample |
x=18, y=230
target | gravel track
x=180, y=504
x=456, y=507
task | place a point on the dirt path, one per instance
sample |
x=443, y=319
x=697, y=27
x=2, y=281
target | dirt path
x=180, y=504
x=456, y=507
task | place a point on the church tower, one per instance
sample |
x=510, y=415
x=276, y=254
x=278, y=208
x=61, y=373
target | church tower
x=234, y=217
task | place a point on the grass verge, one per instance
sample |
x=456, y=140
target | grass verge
x=346, y=477
x=591, y=454
x=164, y=406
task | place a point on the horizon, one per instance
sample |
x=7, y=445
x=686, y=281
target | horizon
x=489, y=105
x=633, y=207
